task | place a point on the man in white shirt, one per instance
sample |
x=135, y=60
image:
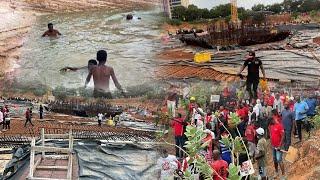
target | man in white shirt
x=256, y=110
x=167, y=164
x=278, y=104
x=100, y=118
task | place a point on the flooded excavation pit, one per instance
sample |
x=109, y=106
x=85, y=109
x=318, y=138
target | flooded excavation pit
x=124, y=152
x=130, y=45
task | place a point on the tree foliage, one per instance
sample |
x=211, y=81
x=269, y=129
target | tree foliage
x=258, y=7
x=193, y=13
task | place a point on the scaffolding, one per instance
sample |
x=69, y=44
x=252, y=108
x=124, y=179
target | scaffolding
x=60, y=153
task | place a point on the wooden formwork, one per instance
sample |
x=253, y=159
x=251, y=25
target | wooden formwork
x=62, y=153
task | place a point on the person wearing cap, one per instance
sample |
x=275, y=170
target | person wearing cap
x=192, y=104
x=261, y=153
x=253, y=77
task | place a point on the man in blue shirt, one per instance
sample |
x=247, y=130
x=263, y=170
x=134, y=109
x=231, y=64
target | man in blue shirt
x=287, y=122
x=312, y=104
x=300, y=110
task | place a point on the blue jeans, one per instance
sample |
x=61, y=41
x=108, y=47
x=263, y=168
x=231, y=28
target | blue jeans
x=180, y=143
x=277, y=155
x=287, y=139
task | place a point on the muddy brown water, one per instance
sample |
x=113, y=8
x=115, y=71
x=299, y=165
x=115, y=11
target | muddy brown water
x=131, y=47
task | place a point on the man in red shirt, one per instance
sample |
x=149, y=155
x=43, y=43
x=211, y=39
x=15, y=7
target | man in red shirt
x=177, y=124
x=277, y=139
x=219, y=166
x=241, y=112
x=28, y=117
x=269, y=101
x=250, y=135
x=225, y=112
x=276, y=116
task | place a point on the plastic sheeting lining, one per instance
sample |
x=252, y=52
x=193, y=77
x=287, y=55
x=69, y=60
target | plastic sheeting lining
x=116, y=162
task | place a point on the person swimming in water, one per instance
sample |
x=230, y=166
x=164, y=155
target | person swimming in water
x=101, y=75
x=51, y=32
x=91, y=63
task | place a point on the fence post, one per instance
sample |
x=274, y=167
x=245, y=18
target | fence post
x=42, y=142
x=33, y=143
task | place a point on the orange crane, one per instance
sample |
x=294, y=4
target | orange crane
x=234, y=11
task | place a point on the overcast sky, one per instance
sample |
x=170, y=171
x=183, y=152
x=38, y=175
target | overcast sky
x=241, y=3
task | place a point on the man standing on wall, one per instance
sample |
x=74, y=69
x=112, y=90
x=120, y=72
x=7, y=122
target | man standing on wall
x=254, y=64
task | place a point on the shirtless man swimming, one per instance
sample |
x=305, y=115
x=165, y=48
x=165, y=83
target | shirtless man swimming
x=91, y=63
x=51, y=32
x=101, y=76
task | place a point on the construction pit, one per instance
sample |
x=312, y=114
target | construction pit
x=127, y=150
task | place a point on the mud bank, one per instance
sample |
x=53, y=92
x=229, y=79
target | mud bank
x=14, y=25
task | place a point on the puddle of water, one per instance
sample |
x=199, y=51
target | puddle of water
x=131, y=46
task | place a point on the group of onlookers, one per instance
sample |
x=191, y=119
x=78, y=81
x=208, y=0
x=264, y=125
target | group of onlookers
x=274, y=116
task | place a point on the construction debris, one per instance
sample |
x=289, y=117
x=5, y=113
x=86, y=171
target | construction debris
x=280, y=65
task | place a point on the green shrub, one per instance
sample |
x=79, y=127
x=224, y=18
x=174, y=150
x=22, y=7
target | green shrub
x=174, y=22
x=40, y=91
x=60, y=93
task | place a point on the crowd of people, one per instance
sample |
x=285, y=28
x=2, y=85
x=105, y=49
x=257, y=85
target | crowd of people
x=275, y=116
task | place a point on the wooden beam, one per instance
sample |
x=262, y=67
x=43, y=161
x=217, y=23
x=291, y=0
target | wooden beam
x=40, y=178
x=53, y=167
x=131, y=142
x=36, y=164
x=42, y=141
x=56, y=136
x=50, y=149
x=57, y=156
x=33, y=143
x=69, y=173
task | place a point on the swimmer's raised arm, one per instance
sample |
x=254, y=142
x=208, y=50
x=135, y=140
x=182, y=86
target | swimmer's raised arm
x=72, y=68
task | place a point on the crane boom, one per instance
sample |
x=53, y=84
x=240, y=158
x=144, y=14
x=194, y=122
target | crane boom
x=234, y=11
